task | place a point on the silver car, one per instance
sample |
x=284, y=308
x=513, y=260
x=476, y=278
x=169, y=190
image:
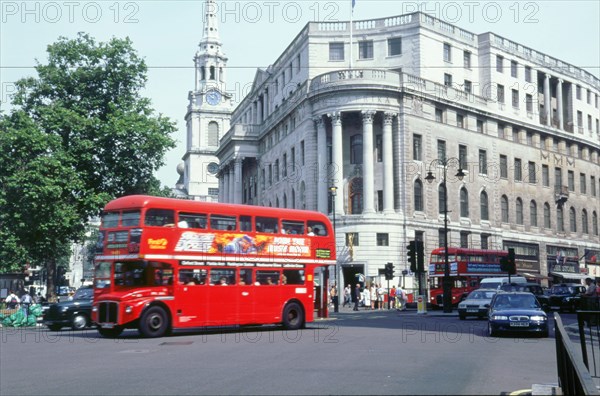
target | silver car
x=476, y=303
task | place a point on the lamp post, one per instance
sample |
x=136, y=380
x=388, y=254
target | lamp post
x=336, y=303
x=447, y=282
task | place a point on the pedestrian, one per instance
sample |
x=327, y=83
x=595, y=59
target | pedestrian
x=380, y=293
x=347, y=296
x=26, y=302
x=12, y=301
x=401, y=297
x=373, y=295
x=590, y=291
x=334, y=298
x=356, y=297
x=392, y=297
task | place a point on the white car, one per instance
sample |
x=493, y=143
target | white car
x=477, y=303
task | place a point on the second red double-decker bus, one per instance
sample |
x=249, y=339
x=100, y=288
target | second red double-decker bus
x=166, y=265
x=467, y=268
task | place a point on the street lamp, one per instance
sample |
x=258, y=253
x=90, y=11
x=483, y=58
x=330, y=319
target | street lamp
x=336, y=304
x=447, y=282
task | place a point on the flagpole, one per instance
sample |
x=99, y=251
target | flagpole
x=351, y=24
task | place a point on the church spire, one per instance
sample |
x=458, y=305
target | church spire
x=211, y=25
x=210, y=61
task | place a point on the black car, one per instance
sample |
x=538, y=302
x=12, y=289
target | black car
x=516, y=312
x=75, y=313
x=532, y=288
x=566, y=296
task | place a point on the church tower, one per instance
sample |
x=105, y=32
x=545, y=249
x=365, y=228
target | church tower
x=208, y=113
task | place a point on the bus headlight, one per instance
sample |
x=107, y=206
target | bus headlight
x=128, y=309
x=94, y=309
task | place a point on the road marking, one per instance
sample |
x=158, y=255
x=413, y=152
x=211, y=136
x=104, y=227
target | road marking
x=521, y=392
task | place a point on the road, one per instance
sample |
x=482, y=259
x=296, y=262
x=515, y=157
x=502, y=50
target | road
x=381, y=352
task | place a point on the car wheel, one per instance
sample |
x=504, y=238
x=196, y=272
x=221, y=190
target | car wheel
x=491, y=331
x=79, y=322
x=55, y=327
x=154, y=322
x=293, y=316
x=110, y=333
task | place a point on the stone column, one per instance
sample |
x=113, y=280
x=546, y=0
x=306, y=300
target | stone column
x=388, y=164
x=231, y=187
x=337, y=171
x=321, y=174
x=547, y=100
x=237, y=183
x=368, y=172
x=559, y=104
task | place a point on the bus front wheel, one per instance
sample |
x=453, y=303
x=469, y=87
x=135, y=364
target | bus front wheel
x=293, y=316
x=154, y=322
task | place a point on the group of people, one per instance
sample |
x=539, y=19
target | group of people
x=24, y=302
x=373, y=297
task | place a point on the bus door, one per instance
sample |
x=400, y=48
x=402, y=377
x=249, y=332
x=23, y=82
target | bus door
x=192, y=306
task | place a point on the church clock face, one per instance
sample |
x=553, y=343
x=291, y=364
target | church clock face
x=212, y=168
x=213, y=97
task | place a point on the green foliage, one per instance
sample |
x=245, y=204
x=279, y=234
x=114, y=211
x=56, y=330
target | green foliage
x=80, y=135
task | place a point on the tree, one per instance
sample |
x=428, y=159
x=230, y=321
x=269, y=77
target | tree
x=80, y=135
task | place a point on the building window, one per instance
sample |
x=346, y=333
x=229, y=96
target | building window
x=480, y=126
x=365, y=49
x=447, y=79
x=500, y=93
x=533, y=214
x=584, y=222
x=352, y=239
x=270, y=175
x=441, y=150
x=467, y=59
x=356, y=195
x=518, y=169
x=383, y=239
x=499, y=63
x=560, y=223
x=547, y=222
x=468, y=86
x=582, y=183
x=464, y=239
x=527, y=73
x=504, y=208
x=545, y=176
x=293, y=159
x=418, y=195
x=572, y=220
x=532, y=173
x=515, y=98
x=285, y=165
x=513, y=69
x=356, y=149
x=571, y=180
x=501, y=131
x=213, y=134
x=519, y=211
x=483, y=162
x=462, y=156
x=302, y=152
x=595, y=223
x=447, y=52
x=460, y=120
x=441, y=198
x=503, y=166
x=484, y=206
x=593, y=185
x=485, y=241
x=417, y=147
x=276, y=171
x=578, y=92
x=379, y=148
x=336, y=51
x=439, y=115
x=380, y=200
x=464, y=202
x=442, y=237
x=558, y=177
x=528, y=103
x=394, y=46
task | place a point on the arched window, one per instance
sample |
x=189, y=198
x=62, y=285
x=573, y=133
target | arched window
x=285, y=200
x=519, y=211
x=293, y=199
x=594, y=223
x=572, y=220
x=441, y=198
x=212, y=73
x=484, y=206
x=277, y=202
x=584, y=222
x=418, y=195
x=356, y=149
x=560, y=221
x=356, y=195
x=213, y=134
x=533, y=214
x=202, y=73
x=504, y=208
x=547, y=222
x=302, y=195
x=464, y=202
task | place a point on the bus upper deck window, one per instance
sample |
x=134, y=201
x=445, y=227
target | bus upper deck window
x=267, y=225
x=220, y=222
x=159, y=217
x=110, y=219
x=130, y=219
x=318, y=228
x=192, y=220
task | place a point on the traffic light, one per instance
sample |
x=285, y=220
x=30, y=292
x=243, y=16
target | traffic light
x=508, y=264
x=411, y=252
x=420, y=256
x=389, y=271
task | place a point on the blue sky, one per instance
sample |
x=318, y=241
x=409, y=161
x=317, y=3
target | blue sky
x=166, y=33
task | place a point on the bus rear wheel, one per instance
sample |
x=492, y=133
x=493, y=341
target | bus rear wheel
x=293, y=316
x=154, y=322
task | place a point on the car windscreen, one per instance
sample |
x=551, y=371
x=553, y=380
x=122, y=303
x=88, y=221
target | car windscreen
x=481, y=295
x=84, y=294
x=518, y=301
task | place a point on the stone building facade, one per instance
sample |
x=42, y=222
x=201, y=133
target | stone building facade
x=357, y=139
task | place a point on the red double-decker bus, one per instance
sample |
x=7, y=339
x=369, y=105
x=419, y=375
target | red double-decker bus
x=165, y=265
x=467, y=268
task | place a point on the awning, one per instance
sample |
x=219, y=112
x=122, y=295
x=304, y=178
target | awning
x=532, y=275
x=569, y=275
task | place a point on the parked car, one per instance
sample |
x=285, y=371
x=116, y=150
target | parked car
x=532, y=288
x=566, y=296
x=75, y=313
x=476, y=303
x=516, y=312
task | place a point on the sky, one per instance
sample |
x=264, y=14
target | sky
x=254, y=33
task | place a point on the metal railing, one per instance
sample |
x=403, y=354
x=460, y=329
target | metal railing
x=573, y=376
x=589, y=337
